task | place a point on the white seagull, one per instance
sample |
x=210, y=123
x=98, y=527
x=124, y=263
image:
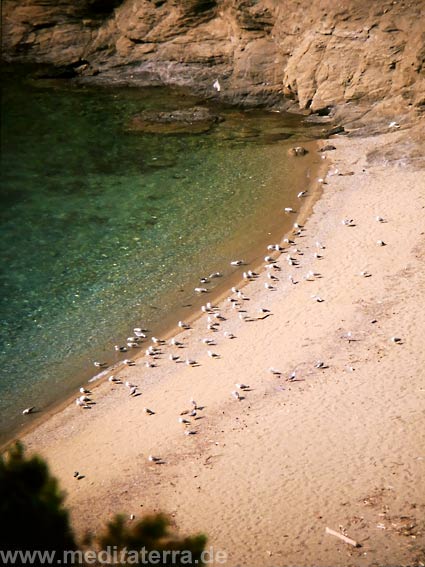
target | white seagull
x=29, y=410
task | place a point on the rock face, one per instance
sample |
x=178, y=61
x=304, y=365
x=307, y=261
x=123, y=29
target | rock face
x=315, y=54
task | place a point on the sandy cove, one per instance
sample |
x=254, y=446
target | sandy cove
x=341, y=446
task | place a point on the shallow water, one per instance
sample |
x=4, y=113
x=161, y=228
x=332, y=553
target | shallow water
x=103, y=228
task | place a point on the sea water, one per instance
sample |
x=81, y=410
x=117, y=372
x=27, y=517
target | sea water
x=104, y=228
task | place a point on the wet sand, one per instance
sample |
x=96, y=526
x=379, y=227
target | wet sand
x=340, y=446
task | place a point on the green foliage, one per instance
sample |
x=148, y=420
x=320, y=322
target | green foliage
x=31, y=505
x=151, y=533
x=34, y=518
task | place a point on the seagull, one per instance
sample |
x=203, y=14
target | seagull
x=275, y=372
x=190, y=362
x=131, y=345
x=190, y=432
x=149, y=364
x=219, y=316
x=292, y=376
x=133, y=391
x=237, y=263
x=365, y=274
x=184, y=421
x=153, y=459
x=302, y=194
x=84, y=391
x=139, y=334
x=235, y=290
x=396, y=339
x=212, y=354
x=176, y=343
x=84, y=399
x=380, y=219
x=298, y=225
x=317, y=298
x=217, y=86
x=204, y=280
x=113, y=379
x=291, y=279
x=272, y=277
x=201, y=290
x=215, y=275
x=148, y=411
x=229, y=335
x=209, y=341
x=157, y=341
x=241, y=295
x=242, y=386
x=129, y=362
x=29, y=410
x=393, y=124
x=130, y=385
x=99, y=364
x=120, y=348
x=289, y=210
x=320, y=245
x=236, y=395
x=275, y=247
x=269, y=286
x=183, y=325
x=194, y=404
x=81, y=403
x=288, y=241
x=381, y=243
x=320, y=364
x=318, y=256
x=348, y=222
x=174, y=357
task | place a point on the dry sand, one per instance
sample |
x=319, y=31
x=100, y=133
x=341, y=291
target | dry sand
x=342, y=447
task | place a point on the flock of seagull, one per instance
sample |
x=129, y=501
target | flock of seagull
x=214, y=320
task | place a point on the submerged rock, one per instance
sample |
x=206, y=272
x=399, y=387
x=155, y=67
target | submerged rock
x=194, y=120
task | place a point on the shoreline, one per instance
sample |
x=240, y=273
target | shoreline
x=341, y=446
x=216, y=294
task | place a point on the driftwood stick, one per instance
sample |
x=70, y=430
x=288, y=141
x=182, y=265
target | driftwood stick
x=343, y=537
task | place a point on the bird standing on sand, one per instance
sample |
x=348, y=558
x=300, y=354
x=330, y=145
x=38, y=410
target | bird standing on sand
x=154, y=459
x=216, y=85
x=29, y=410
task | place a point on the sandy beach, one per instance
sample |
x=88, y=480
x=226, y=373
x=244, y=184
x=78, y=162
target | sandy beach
x=339, y=444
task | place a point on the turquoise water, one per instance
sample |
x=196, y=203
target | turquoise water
x=103, y=228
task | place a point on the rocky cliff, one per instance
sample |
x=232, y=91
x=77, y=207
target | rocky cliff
x=315, y=54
